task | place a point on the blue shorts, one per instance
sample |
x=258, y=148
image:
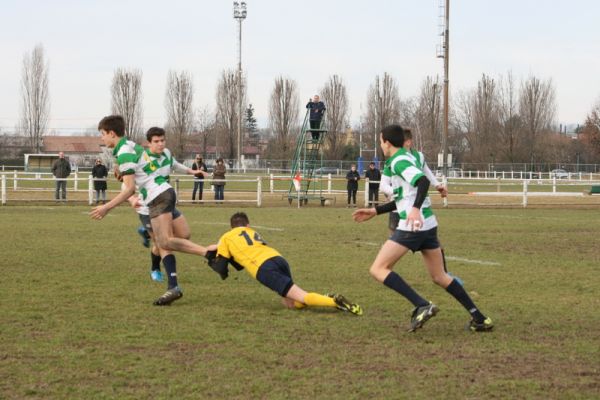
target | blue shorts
x=417, y=241
x=276, y=275
x=145, y=219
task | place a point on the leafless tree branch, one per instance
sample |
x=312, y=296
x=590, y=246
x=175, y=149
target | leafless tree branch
x=35, y=97
x=126, y=95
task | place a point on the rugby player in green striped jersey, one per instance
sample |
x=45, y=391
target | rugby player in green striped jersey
x=416, y=231
x=149, y=169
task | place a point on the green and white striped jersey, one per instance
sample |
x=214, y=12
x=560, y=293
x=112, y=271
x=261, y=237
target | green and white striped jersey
x=127, y=154
x=151, y=170
x=404, y=169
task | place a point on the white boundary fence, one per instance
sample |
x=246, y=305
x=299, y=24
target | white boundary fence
x=250, y=189
x=255, y=195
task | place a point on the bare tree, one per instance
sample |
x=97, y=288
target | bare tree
x=428, y=117
x=486, y=121
x=205, y=127
x=35, y=97
x=383, y=106
x=590, y=135
x=179, y=106
x=228, y=110
x=283, y=114
x=537, y=108
x=336, y=98
x=126, y=94
x=510, y=122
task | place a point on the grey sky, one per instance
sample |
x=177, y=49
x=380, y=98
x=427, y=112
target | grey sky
x=86, y=41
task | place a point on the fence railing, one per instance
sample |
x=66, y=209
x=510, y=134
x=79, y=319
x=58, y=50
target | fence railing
x=247, y=190
x=29, y=186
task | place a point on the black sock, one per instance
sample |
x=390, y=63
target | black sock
x=171, y=268
x=395, y=282
x=155, y=262
x=460, y=294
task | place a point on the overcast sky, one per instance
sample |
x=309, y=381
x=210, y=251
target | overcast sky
x=85, y=41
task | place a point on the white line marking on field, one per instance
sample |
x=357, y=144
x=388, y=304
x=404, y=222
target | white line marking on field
x=266, y=228
x=369, y=243
x=466, y=260
x=523, y=217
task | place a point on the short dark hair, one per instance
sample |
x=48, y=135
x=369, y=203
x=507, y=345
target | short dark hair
x=239, y=219
x=407, y=134
x=154, y=131
x=393, y=134
x=115, y=123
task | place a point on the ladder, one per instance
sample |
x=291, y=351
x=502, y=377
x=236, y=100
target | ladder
x=307, y=163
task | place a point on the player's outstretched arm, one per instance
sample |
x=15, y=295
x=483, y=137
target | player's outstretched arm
x=442, y=189
x=197, y=172
x=363, y=214
x=126, y=192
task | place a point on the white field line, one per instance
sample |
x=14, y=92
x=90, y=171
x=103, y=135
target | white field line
x=266, y=228
x=524, y=217
x=469, y=261
x=465, y=260
x=369, y=243
x=532, y=194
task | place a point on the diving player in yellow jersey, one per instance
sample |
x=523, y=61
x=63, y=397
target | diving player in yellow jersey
x=244, y=248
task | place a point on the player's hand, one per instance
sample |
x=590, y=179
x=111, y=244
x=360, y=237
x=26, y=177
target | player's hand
x=217, y=264
x=210, y=256
x=135, y=203
x=443, y=190
x=414, y=220
x=363, y=214
x=98, y=212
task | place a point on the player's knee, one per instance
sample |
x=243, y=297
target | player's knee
x=163, y=243
x=378, y=272
x=440, y=279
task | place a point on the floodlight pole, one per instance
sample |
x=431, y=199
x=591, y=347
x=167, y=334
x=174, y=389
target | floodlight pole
x=239, y=13
x=446, y=84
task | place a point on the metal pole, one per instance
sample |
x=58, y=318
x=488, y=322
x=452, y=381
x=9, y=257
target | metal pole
x=446, y=83
x=239, y=132
x=3, y=190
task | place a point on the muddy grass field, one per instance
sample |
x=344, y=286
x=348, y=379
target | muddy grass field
x=77, y=321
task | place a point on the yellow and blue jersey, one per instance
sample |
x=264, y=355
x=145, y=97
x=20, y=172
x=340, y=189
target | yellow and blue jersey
x=246, y=247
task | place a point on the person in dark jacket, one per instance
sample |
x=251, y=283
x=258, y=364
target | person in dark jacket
x=374, y=176
x=61, y=169
x=99, y=173
x=317, y=109
x=219, y=176
x=352, y=177
x=198, y=179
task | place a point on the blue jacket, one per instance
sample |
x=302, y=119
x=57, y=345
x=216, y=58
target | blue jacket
x=316, y=110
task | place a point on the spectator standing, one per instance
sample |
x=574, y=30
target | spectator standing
x=219, y=179
x=198, y=179
x=317, y=109
x=374, y=177
x=99, y=173
x=61, y=169
x=352, y=177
